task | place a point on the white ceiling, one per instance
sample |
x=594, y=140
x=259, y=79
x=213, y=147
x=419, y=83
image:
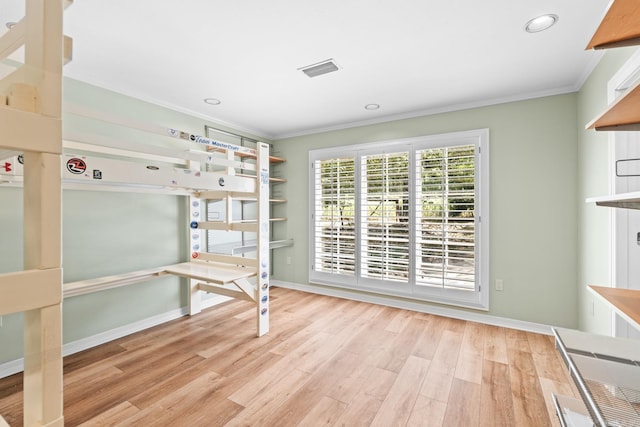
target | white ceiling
x=410, y=56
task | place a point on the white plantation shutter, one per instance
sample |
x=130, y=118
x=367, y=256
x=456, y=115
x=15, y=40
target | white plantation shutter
x=407, y=218
x=384, y=211
x=334, y=237
x=445, y=217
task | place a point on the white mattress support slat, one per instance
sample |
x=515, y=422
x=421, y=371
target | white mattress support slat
x=154, y=129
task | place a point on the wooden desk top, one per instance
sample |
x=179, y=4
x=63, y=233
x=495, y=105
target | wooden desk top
x=210, y=272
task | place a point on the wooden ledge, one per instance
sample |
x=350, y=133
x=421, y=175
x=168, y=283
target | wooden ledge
x=211, y=272
x=620, y=26
x=625, y=302
x=82, y=287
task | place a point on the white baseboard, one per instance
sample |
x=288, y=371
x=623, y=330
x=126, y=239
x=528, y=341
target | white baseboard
x=15, y=366
x=422, y=307
x=11, y=367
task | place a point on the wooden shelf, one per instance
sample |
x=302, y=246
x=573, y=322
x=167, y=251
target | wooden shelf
x=623, y=114
x=234, y=248
x=272, y=180
x=620, y=26
x=625, y=302
x=622, y=200
x=272, y=159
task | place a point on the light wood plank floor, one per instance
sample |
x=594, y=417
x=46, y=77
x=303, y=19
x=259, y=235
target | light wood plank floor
x=326, y=362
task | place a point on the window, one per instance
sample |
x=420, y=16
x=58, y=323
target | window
x=445, y=223
x=384, y=214
x=406, y=218
x=335, y=211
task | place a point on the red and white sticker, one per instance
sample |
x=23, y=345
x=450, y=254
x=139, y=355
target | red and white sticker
x=76, y=166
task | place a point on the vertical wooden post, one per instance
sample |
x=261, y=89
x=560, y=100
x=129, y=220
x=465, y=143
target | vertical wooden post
x=262, y=253
x=197, y=239
x=43, y=385
x=43, y=326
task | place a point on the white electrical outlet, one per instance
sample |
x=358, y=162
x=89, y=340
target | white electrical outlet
x=288, y=260
x=0, y=321
x=499, y=285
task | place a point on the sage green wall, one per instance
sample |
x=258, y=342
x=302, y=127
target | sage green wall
x=593, y=173
x=533, y=200
x=106, y=233
x=103, y=234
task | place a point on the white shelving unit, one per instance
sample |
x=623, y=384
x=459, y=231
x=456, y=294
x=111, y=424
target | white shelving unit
x=606, y=370
x=245, y=243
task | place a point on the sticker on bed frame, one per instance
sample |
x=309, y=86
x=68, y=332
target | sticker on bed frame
x=7, y=167
x=76, y=166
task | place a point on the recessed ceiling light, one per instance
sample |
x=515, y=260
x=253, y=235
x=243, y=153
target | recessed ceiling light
x=372, y=106
x=541, y=23
x=212, y=101
x=10, y=24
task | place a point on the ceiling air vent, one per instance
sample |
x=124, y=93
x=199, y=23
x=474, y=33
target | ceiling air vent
x=320, y=68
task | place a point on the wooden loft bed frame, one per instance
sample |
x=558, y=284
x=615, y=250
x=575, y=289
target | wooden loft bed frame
x=179, y=172
x=31, y=123
x=153, y=169
x=209, y=272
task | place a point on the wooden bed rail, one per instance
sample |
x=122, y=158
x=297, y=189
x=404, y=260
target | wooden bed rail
x=34, y=283
x=218, y=274
x=82, y=287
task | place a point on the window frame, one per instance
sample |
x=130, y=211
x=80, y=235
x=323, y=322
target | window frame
x=477, y=298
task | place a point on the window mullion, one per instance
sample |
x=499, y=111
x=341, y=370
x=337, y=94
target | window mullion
x=411, y=221
x=358, y=185
x=385, y=218
x=445, y=212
